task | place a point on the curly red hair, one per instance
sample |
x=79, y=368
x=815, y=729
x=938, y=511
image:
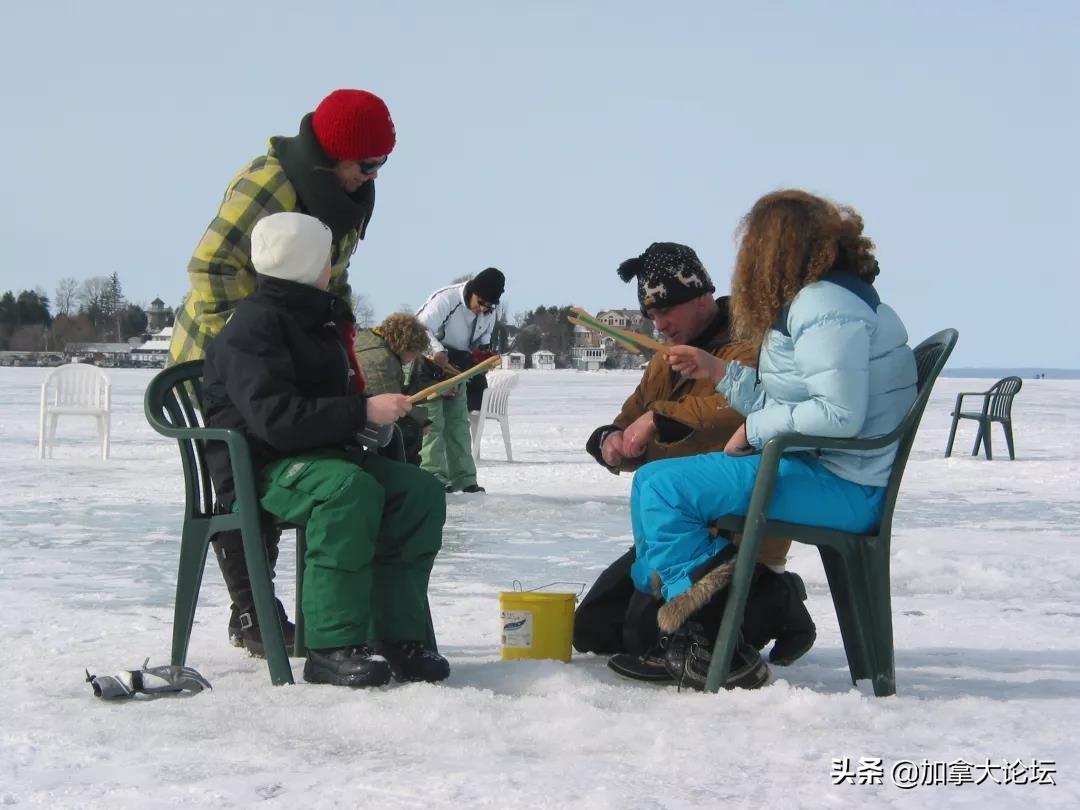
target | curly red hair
x=788, y=240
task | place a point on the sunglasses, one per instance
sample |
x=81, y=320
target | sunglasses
x=369, y=167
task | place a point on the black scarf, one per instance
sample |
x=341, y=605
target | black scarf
x=311, y=171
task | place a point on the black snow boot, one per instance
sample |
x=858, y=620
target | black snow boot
x=244, y=630
x=356, y=666
x=243, y=624
x=413, y=661
x=648, y=667
x=776, y=610
x=689, y=652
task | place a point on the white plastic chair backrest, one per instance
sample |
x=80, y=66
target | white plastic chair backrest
x=77, y=385
x=498, y=392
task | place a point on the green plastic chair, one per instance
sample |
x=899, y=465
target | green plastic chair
x=996, y=407
x=173, y=406
x=856, y=565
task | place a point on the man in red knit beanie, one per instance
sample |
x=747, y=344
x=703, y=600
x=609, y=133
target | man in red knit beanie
x=327, y=170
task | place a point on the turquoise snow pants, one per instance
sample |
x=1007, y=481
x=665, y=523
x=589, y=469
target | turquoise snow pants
x=673, y=501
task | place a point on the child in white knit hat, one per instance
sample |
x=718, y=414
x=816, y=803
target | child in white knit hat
x=281, y=373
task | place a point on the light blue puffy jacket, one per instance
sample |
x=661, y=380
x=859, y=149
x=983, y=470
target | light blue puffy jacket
x=835, y=364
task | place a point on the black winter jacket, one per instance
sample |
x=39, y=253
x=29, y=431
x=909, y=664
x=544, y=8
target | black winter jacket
x=278, y=372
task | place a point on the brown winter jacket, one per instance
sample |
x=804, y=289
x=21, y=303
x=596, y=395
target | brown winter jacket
x=691, y=418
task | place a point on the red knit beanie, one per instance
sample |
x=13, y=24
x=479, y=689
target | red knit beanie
x=353, y=125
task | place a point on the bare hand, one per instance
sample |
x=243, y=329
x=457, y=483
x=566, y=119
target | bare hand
x=612, y=449
x=441, y=359
x=385, y=409
x=636, y=437
x=737, y=445
x=696, y=364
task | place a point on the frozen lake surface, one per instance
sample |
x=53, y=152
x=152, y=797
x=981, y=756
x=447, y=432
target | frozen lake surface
x=985, y=603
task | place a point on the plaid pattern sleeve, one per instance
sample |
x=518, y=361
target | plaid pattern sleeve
x=220, y=271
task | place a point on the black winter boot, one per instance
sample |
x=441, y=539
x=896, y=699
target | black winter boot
x=413, y=661
x=775, y=610
x=797, y=633
x=689, y=652
x=243, y=624
x=355, y=666
x=648, y=667
x=244, y=630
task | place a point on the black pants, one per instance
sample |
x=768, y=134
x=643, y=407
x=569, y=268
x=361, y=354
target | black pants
x=615, y=617
x=600, y=622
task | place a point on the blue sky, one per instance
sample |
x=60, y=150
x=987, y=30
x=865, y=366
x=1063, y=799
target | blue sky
x=555, y=139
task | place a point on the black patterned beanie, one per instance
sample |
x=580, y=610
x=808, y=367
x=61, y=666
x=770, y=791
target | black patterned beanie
x=667, y=274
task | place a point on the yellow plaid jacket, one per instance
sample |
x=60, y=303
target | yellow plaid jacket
x=221, y=272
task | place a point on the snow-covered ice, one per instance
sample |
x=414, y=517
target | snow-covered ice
x=985, y=605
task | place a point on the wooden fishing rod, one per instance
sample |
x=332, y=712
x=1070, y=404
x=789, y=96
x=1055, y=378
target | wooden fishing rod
x=433, y=391
x=583, y=318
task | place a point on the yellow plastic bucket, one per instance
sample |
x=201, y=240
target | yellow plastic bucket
x=536, y=624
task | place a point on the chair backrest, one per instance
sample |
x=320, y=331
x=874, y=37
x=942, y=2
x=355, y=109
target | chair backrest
x=1001, y=396
x=174, y=400
x=497, y=394
x=930, y=358
x=77, y=385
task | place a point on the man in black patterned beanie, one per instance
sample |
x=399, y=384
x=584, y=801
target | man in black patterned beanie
x=668, y=416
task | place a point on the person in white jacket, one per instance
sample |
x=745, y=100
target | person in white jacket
x=460, y=320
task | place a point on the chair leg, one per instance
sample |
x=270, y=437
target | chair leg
x=102, y=436
x=194, y=542
x=478, y=436
x=262, y=592
x=730, y=624
x=952, y=436
x=859, y=582
x=299, y=648
x=50, y=442
x=985, y=430
x=108, y=428
x=978, y=441
x=432, y=643
x=41, y=433
x=1007, y=426
x=504, y=423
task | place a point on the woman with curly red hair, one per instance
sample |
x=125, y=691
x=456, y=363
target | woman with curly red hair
x=833, y=360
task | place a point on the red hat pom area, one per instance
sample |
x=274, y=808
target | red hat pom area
x=353, y=125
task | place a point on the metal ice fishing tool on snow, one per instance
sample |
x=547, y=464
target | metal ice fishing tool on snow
x=150, y=681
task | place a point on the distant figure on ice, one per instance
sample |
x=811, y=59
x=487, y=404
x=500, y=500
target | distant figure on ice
x=384, y=352
x=279, y=373
x=669, y=416
x=834, y=361
x=460, y=319
x=327, y=170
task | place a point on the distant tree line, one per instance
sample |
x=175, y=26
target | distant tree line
x=91, y=311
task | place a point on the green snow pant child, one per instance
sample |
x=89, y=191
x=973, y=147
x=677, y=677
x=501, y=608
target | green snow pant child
x=447, y=449
x=374, y=527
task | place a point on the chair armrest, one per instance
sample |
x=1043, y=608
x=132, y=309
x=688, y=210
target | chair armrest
x=239, y=457
x=790, y=441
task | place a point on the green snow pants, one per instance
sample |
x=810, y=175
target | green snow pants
x=447, y=449
x=373, y=527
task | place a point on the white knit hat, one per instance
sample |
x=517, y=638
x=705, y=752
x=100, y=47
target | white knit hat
x=291, y=246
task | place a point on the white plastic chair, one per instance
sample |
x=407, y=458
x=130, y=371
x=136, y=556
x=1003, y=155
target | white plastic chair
x=75, y=389
x=494, y=405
